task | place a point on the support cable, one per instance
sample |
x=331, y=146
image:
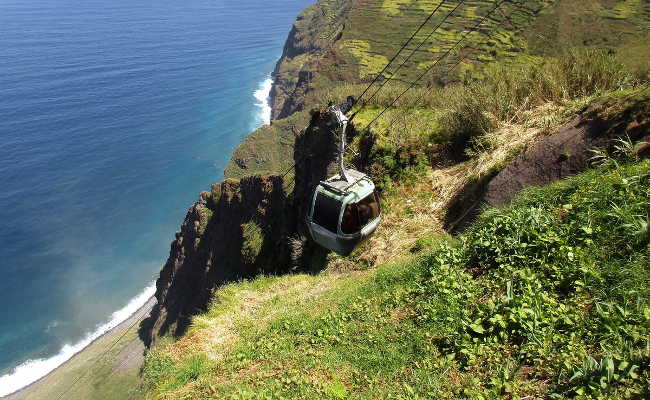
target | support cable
x=394, y=73
x=401, y=49
x=497, y=5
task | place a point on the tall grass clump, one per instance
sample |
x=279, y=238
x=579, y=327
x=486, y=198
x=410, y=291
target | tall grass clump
x=164, y=374
x=459, y=115
x=253, y=240
x=505, y=94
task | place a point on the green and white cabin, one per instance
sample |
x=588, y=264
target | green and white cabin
x=343, y=212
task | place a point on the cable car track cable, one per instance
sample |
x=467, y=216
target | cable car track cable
x=392, y=75
x=393, y=59
x=401, y=49
x=460, y=60
x=497, y=5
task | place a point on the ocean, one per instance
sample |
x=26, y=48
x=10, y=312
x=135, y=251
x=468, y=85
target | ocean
x=114, y=115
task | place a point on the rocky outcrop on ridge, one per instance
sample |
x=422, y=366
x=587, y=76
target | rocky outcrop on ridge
x=565, y=153
x=568, y=151
x=314, y=30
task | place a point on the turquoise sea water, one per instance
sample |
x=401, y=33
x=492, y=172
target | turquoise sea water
x=114, y=115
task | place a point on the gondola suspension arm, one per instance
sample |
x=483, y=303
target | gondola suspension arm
x=342, y=123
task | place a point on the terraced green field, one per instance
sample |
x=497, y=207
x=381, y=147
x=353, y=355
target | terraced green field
x=354, y=39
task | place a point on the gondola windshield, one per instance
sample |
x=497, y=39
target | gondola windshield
x=326, y=212
x=358, y=215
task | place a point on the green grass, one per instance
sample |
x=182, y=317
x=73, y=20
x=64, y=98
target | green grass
x=549, y=297
x=267, y=150
x=506, y=94
x=520, y=32
x=253, y=240
x=459, y=120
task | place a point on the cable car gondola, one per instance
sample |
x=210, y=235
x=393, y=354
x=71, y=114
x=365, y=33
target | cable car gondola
x=344, y=208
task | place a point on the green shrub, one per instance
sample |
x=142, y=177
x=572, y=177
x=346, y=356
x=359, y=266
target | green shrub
x=206, y=216
x=403, y=164
x=253, y=240
x=565, y=290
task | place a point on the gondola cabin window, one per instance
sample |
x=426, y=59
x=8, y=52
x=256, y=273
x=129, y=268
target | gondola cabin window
x=359, y=214
x=326, y=212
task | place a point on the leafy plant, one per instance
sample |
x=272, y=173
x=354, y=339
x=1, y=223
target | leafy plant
x=253, y=240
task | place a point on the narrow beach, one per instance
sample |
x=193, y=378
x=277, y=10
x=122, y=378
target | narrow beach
x=117, y=355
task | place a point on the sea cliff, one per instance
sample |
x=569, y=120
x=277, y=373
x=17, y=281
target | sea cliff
x=488, y=278
x=332, y=50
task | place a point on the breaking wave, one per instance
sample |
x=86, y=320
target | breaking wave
x=262, y=95
x=33, y=370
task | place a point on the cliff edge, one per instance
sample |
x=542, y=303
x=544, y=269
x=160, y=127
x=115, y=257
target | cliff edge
x=243, y=228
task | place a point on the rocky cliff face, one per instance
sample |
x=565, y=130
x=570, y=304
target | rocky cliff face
x=240, y=229
x=312, y=33
x=208, y=248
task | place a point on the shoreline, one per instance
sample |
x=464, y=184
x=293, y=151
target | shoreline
x=128, y=324
x=260, y=117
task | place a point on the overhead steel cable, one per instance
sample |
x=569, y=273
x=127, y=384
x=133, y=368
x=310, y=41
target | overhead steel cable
x=453, y=67
x=460, y=60
x=445, y=74
x=394, y=73
x=497, y=5
x=476, y=26
x=401, y=49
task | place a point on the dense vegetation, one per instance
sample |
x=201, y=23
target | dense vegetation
x=549, y=297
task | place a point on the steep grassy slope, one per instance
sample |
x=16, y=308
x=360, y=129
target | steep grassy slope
x=546, y=298
x=488, y=314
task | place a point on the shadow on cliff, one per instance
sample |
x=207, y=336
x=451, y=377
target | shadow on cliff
x=241, y=229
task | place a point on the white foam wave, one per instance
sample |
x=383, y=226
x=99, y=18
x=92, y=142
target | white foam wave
x=33, y=370
x=263, y=102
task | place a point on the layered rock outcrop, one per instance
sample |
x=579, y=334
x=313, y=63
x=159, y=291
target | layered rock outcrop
x=243, y=228
x=207, y=249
